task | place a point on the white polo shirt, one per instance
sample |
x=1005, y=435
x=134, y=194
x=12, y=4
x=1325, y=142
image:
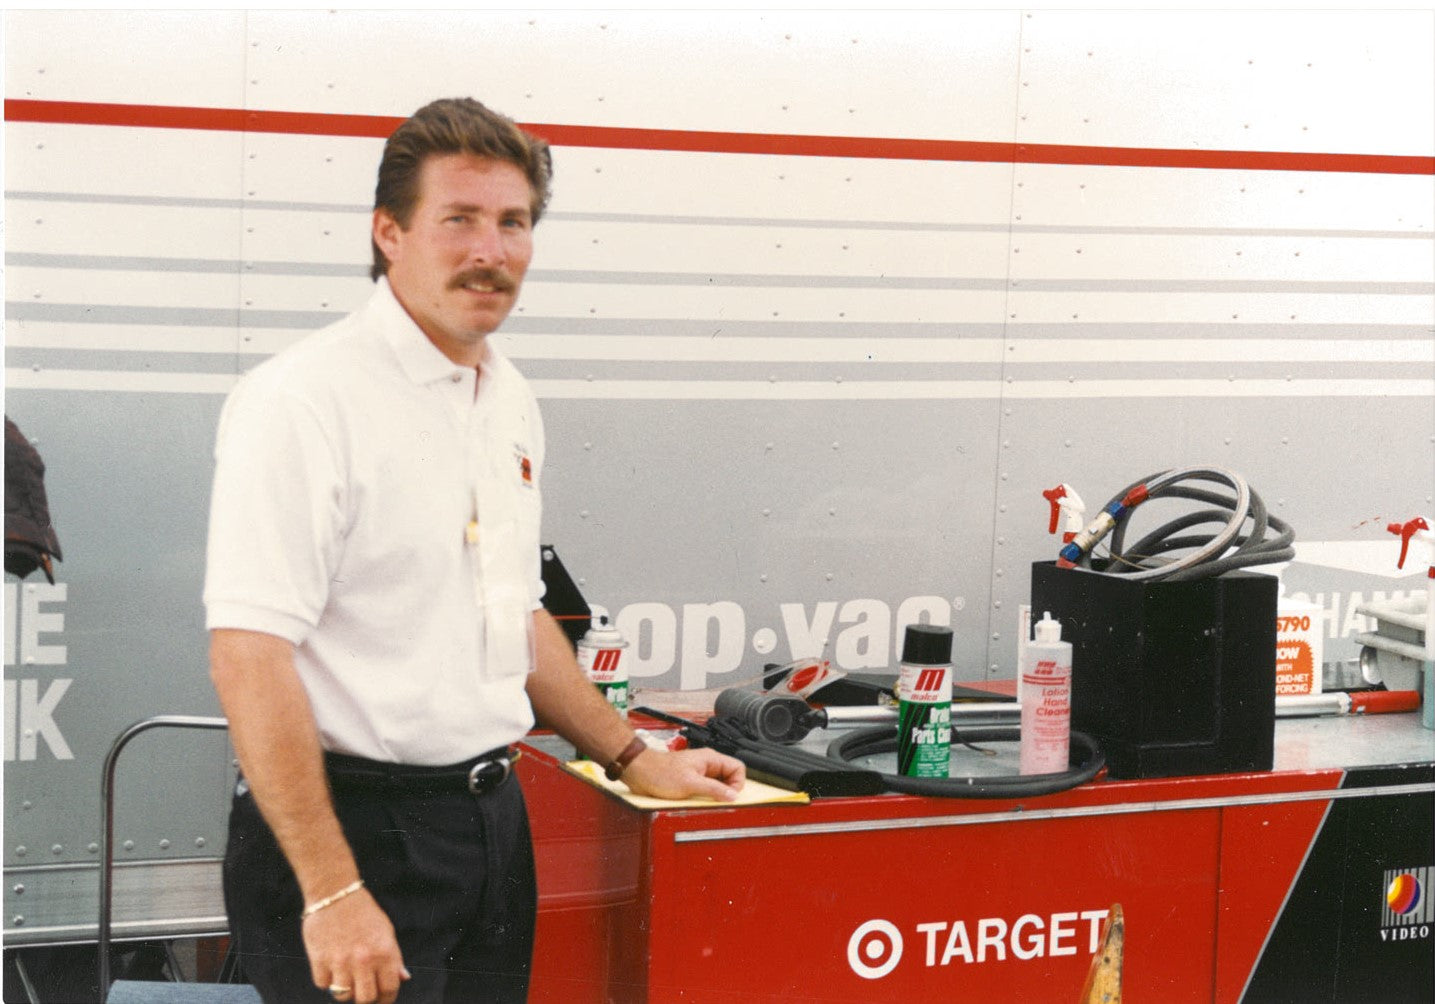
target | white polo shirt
x=374, y=511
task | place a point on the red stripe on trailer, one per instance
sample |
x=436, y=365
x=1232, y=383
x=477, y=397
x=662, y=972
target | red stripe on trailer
x=793, y=145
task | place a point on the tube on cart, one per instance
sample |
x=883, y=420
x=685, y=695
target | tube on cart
x=1046, y=701
x=924, y=708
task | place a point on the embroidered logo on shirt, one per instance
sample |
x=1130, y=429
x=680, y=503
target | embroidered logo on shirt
x=525, y=465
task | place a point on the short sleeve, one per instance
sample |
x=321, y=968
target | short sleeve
x=276, y=511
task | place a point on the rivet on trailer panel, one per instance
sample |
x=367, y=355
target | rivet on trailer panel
x=21, y=851
x=19, y=890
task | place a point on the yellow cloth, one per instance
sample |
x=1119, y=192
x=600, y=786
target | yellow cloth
x=753, y=792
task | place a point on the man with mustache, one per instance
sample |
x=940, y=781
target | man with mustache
x=373, y=588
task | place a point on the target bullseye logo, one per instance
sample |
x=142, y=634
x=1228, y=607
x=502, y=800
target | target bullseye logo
x=874, y=949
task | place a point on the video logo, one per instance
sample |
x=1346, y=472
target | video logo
x=1409, y=909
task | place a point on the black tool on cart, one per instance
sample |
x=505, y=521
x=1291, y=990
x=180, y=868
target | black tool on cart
x=773, y=763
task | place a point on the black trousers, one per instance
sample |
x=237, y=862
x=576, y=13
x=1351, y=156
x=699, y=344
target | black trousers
x=453, y=871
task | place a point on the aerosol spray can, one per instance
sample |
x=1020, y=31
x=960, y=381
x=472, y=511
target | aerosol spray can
x=1046, y=701
x=924, y=715
x=601, y=657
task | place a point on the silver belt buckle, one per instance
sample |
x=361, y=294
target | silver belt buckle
x=476, y=778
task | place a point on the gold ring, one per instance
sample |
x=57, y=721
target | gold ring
x=336, y=991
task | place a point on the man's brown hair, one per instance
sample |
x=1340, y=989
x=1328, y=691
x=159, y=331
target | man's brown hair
x=447, y=126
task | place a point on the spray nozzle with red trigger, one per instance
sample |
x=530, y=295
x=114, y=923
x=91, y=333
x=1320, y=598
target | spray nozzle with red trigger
x=1418, y=530
x=1063, y=498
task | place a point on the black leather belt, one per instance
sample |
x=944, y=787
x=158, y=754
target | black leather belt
x=478, y=776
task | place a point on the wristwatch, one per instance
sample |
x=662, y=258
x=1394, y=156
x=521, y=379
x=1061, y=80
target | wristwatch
x=620, y=762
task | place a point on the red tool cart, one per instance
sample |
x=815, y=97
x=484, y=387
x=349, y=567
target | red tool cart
x=1309, y=882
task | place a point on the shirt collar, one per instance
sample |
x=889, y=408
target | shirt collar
x=418, y=357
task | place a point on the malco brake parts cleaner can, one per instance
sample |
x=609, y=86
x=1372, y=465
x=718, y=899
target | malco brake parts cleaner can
x=601, y=657
x=924, y=715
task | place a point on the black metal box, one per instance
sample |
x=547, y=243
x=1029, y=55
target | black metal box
x=1171, y=678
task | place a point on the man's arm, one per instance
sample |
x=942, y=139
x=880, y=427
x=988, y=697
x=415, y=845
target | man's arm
x=351, y=942
x=564, y=700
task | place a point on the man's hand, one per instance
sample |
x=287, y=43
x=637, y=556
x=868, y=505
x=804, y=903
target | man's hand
x=351, y=945
x=685, y=773
x=566, y=702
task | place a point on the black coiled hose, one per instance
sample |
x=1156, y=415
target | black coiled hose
x=883, y=739
x=1268, y=541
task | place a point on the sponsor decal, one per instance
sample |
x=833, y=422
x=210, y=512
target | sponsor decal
x=874, y=949
x=34, y=619
x=876, y=946
x=1408, y=911
x=706, y=641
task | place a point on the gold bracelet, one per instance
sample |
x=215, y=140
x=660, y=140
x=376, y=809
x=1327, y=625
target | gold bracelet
x=315, y=907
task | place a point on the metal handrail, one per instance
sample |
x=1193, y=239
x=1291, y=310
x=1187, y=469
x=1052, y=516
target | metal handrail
x=107, y=796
